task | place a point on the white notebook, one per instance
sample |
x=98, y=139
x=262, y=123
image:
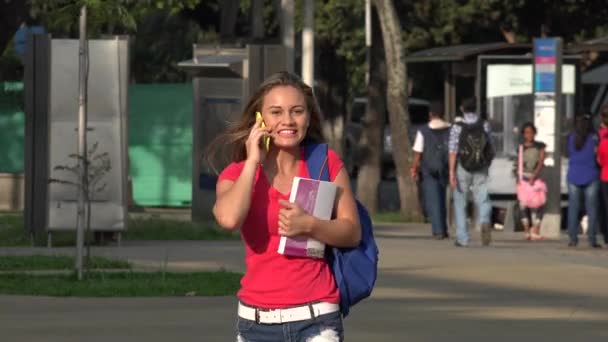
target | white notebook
x=316, y=198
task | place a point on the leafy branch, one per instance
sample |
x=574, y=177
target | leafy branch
x=98, y=165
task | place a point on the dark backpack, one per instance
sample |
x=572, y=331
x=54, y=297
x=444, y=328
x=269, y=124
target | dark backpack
x=435, y=151
x=475, y=151
x=354, y=269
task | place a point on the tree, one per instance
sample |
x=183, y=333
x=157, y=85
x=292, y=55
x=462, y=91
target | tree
x=374, y=120
x=98, y=165
x=340, y=41
x=12, y=14
x=106, y=17
x=396, y=99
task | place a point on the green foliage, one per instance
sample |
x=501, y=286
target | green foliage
x=271, y=17
x=341, y=24
x=104, y=16
x=444, y=22
x=10, y=65
x=161, y=42
x=162, y=36
x=123, y=284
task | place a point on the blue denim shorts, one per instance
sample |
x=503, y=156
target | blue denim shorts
x=325, y=328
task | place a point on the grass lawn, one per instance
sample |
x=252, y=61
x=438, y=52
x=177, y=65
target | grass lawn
x=165, y=229
x=390, y=217
x=45, y=262
x=12, y=231
x=127, y=284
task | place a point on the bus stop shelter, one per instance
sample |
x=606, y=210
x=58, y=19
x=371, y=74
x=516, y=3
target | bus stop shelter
x=460, y=61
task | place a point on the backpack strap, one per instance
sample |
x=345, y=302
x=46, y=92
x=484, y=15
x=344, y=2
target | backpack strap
x=316, y=161
x=520, y=163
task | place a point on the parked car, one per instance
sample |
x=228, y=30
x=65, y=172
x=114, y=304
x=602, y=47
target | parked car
x=419, y=115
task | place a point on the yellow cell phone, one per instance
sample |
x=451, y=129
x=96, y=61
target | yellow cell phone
x=258, y=115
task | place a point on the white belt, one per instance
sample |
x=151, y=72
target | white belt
x=298, y=313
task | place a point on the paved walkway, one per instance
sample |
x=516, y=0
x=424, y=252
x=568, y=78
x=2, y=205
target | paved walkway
x=427, y=291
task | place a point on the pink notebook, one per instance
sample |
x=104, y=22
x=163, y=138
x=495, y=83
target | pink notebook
x=316, y=198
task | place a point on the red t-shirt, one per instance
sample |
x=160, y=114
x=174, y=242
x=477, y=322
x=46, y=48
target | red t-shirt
x=273, y=280
x=602, y=154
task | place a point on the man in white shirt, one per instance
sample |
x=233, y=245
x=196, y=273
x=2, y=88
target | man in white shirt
x=431, y=163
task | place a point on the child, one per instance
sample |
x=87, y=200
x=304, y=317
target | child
x=533, y=158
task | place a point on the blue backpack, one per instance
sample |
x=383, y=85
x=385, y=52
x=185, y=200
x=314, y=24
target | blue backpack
x=355, y=269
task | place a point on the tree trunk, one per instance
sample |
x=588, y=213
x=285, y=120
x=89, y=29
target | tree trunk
x=333, y=131
x=257, y=20
x=229, y=13
x=373, y=122
x=330, y=91
x=12, y=14
x=396, y=98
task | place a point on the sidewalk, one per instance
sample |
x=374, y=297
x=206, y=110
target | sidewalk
x=427, y=290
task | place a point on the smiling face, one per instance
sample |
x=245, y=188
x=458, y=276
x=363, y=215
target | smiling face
x=284, y=112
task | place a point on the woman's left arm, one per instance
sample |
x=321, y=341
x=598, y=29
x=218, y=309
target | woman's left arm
x=541, y=163
x=342, y=231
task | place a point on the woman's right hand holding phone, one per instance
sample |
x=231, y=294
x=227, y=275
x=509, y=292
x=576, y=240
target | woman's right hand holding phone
x=255, y=150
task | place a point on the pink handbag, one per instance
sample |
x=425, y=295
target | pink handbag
x=530, y=195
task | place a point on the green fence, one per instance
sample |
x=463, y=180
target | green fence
x=160, y=140
x=12, y=127
x=160, y=143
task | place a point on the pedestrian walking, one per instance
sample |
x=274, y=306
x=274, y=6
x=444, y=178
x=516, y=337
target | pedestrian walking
x=282, y=297
x=431, y=162
x=471, y=153
x=583, y=180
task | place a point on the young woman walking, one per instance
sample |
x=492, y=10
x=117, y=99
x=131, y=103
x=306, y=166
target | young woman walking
x=583, y=180
x=282, y=298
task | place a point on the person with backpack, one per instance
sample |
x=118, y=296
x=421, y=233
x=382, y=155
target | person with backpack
x=531, y=189
x=284, y=297
x=583, y=180
x=471, y=153
x=431, y=162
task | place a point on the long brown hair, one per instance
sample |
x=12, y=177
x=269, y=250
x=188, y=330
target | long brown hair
x=235, y=137
x=582, y=131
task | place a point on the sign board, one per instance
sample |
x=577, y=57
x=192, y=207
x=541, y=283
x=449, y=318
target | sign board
x=516, y=79
x=547, y=119
x=545, y=73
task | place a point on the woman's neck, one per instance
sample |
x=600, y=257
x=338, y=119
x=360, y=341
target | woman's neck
x=284, y=161
x=528, y=143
